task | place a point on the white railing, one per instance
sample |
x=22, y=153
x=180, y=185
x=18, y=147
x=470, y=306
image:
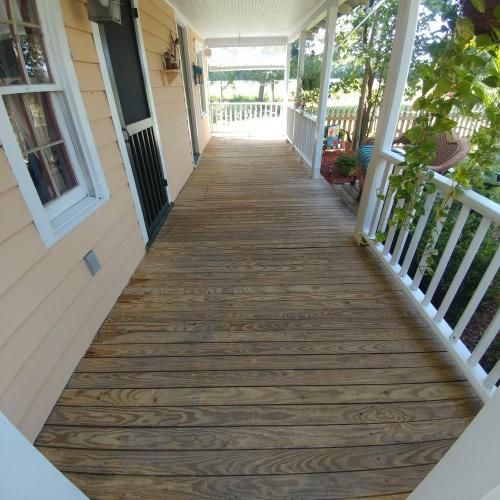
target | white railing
x=301, y=133
x=399, y=253
x=227, y=115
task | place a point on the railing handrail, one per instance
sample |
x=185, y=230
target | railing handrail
x=475, y=201
x=232, y=103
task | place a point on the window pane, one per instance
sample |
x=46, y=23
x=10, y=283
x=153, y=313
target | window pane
x=43, y=118
x=25, y=11
x=20, y=121
x=10, y=68
x=35, y=57
x=40, y=176
x=60, y=168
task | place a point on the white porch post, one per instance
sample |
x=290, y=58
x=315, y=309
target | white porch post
x=470, y=468
x=326, y=69
x=300, y=62
x=390, y=106
x=300, y=74
x=284, y=108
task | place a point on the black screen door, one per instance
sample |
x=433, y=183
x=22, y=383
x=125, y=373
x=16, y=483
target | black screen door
x=127, y=79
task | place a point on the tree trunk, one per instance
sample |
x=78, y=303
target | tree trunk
x=362, y=116
x=365, y=122
x=261, y=92
x=272, y=92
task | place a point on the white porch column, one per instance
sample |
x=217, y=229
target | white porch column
x=300, y=74
x=390, y=106
x=470, y=469
x=287, y=69
x=284, y=109
x=326, y=70
x=300, y=61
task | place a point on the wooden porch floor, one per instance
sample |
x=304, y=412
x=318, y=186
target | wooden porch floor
x=258, y=352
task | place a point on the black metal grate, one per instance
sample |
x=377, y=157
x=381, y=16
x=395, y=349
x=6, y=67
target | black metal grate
x=148, y=173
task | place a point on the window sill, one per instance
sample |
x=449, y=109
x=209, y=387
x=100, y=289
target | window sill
x=64, y=223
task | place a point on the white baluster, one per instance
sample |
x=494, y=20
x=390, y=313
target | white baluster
x=493, y=376
x=481, y=289
x=417, y=234
x=431, y=244
x=389, y=201
x=486, y=339
x=379, y=203
x=463, y=268
x=445, y=257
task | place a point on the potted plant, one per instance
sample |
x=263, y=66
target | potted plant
x=345, y=164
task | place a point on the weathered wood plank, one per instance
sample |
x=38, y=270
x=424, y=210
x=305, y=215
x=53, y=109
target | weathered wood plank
x=286, y=362
x=223, y=416
x=247, y=462
x=263, y=348
x=293, y=486
x=256, y=378
x=215, y=438
x=266, y=395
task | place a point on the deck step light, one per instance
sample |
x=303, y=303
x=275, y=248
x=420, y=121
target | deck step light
x=101, y=11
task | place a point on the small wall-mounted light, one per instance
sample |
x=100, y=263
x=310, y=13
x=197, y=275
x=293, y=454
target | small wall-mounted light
x=101, y=11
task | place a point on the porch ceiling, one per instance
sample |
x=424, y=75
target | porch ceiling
x=253, y=18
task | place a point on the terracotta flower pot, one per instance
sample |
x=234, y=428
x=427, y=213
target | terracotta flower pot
x=484, y=22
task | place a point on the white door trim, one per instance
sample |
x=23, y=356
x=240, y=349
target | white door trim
x=149, y=92
x=188, y=86
x=118, y=130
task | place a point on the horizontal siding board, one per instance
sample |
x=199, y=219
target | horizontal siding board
x=110, y=156
x=89, y=76
x=96, y=104
x=82, y=46
x=18, y=254
x=104, y=132
x=76, y=15
x=7, y=179
x=14, y=214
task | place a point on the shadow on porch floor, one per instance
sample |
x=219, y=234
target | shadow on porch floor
x=258, y=352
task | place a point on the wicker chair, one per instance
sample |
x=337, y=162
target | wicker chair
x=450, y=150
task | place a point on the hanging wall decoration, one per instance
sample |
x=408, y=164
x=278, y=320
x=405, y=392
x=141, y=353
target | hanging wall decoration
x=197, y=74
x=170, y=57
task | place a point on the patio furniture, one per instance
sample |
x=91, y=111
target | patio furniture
x=450, y=150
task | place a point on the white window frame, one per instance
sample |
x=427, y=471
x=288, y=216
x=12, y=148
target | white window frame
x=58, y=218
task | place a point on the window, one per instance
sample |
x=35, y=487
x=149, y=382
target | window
x=40, y=113
x=203, y=97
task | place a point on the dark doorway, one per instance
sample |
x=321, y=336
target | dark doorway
x=187, y=76
x=127, y=79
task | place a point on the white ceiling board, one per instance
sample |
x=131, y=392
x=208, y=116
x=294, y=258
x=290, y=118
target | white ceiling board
x=248, y=18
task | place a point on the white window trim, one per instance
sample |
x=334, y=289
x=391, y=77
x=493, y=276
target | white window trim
x=63, y=72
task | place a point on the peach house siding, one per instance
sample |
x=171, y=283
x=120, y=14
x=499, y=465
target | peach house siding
x=51, y=307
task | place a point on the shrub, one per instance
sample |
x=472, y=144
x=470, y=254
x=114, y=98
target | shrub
x=345, y=164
